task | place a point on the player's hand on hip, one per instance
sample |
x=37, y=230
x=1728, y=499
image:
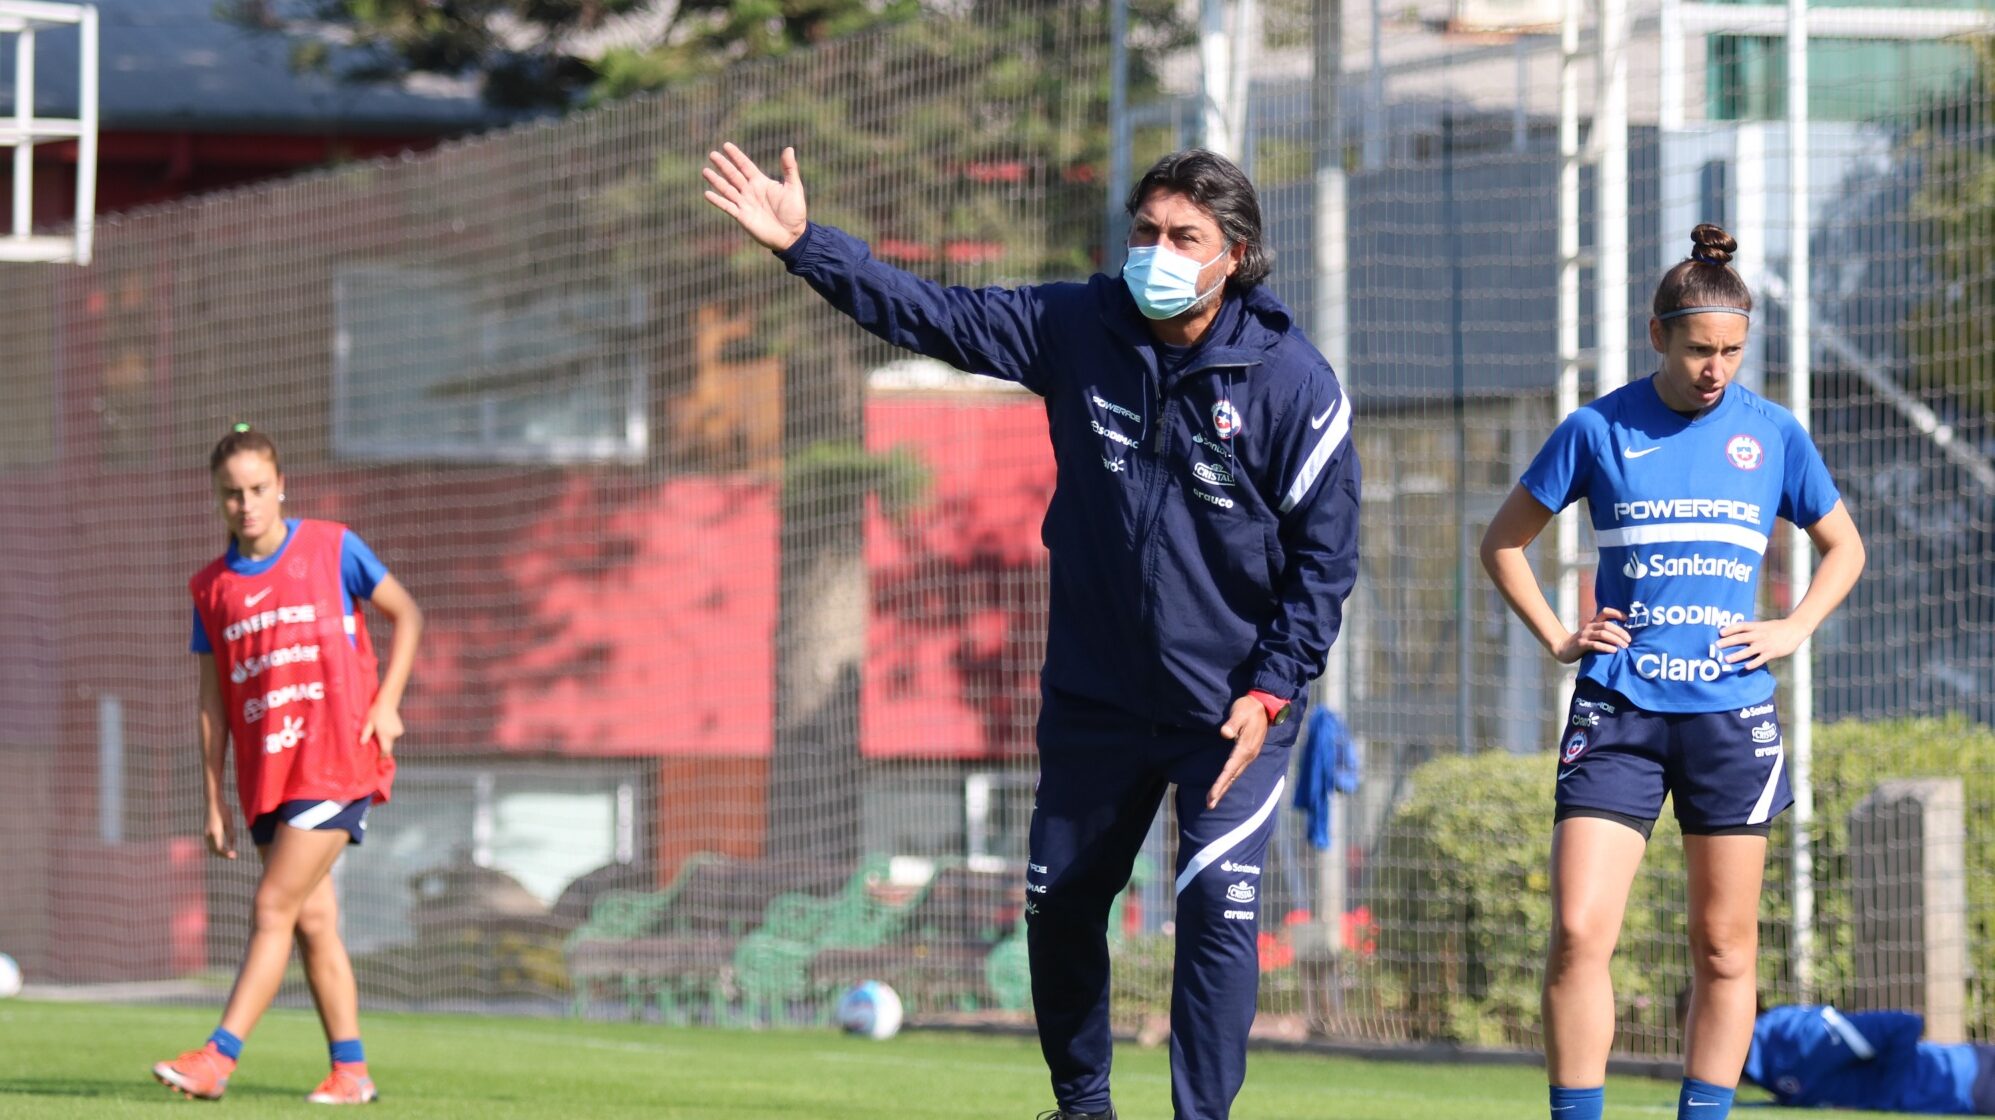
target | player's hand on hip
x=220, y=835
x=1603, y=633
x=1247, y=726
x=772, y=212
x=383, y=727
x=1753, y=644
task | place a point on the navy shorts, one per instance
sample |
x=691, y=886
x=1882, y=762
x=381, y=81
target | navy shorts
x=313, y=816
x=1725, y=772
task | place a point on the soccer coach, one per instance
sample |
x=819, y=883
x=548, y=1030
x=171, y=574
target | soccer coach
x=1204, y=534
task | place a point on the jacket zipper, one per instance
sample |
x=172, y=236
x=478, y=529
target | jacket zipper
x=1153, y=509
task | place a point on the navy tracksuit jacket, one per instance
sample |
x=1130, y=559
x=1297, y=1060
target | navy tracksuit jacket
x=1203, y=533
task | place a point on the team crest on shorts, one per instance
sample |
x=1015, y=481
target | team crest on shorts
x=1575, y=745
x=1225, y=419
x=1744, y=452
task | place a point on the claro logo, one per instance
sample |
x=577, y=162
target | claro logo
x=1668, y=667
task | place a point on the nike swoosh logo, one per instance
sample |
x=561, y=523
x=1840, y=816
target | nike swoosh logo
x=1319, y=421
x=252, y=600
x=1564, y=774
x=1631, y=453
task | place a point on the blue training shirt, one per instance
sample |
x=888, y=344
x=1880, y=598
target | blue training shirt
x=360, y=572
x=1810, y=1056
x=1682, y=511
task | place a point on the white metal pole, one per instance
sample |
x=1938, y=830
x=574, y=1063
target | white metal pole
x=1671, y=112
x=1118, y=135
x=1610, y=241
x=1215, y=54
x=86, y=143
x=24, y=117
x=1330, y=322
x=1246, y=43
x=1801, y=557
x=1375, y=119
x=1568, y=337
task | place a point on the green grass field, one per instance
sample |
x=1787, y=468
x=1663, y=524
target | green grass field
x=91, y=1060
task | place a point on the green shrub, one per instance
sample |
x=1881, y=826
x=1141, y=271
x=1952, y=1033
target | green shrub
x=1850, y=758
x=1460, y=885
x=1462, y=889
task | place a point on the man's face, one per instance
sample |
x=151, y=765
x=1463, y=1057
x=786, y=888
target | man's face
x=1175, y=222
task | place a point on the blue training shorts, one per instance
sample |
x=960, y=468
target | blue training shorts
x=1725, y=772
x=313, y=816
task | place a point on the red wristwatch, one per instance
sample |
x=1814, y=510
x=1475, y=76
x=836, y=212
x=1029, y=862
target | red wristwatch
x=1276, y=706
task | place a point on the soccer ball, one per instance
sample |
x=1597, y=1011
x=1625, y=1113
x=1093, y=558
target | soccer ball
x=871, y=1010
x=10, y=981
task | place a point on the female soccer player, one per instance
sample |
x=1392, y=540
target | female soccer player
x=1683, y=473
x=288, y=672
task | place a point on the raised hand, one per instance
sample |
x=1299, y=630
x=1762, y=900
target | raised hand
x=772, y=212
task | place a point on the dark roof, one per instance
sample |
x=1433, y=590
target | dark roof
x=174, y=64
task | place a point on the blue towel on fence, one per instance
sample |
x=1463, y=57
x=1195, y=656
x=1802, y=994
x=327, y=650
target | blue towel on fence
x=1329, y=764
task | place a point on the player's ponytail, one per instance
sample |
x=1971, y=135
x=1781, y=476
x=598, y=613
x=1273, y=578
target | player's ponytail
x=1704, y=281
x=243, y=438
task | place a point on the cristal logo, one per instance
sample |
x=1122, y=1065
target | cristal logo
x=1240, y=892
x=1212, y=475
x=1766, y=732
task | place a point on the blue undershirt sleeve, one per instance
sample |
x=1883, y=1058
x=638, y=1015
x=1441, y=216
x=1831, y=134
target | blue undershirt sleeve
x=360, y=571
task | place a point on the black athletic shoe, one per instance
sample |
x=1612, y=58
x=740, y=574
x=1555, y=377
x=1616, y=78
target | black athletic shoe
x=1062, y=1114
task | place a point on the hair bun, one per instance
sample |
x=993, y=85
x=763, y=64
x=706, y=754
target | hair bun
x=1710, y=244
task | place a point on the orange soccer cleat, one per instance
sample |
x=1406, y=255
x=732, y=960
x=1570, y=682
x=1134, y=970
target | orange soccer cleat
x=346, y=1084
x=199, y=1074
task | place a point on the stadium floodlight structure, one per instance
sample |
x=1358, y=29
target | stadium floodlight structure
x=23, y=130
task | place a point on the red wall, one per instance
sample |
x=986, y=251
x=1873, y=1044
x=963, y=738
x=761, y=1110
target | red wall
x=957, y=631
x=589, y=611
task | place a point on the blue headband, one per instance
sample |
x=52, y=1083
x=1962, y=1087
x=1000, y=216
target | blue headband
x=1682, y=311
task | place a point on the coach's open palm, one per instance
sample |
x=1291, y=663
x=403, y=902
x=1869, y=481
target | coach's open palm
x=772, y=212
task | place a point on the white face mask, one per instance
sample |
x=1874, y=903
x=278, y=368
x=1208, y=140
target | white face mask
x=1165, y=283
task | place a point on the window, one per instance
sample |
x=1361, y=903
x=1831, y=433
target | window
x=1848, y=79
x=428, y=365
x=541, y=825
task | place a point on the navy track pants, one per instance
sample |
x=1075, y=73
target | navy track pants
x=1102, y=777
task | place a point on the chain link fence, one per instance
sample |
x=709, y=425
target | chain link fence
x=727, y=696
